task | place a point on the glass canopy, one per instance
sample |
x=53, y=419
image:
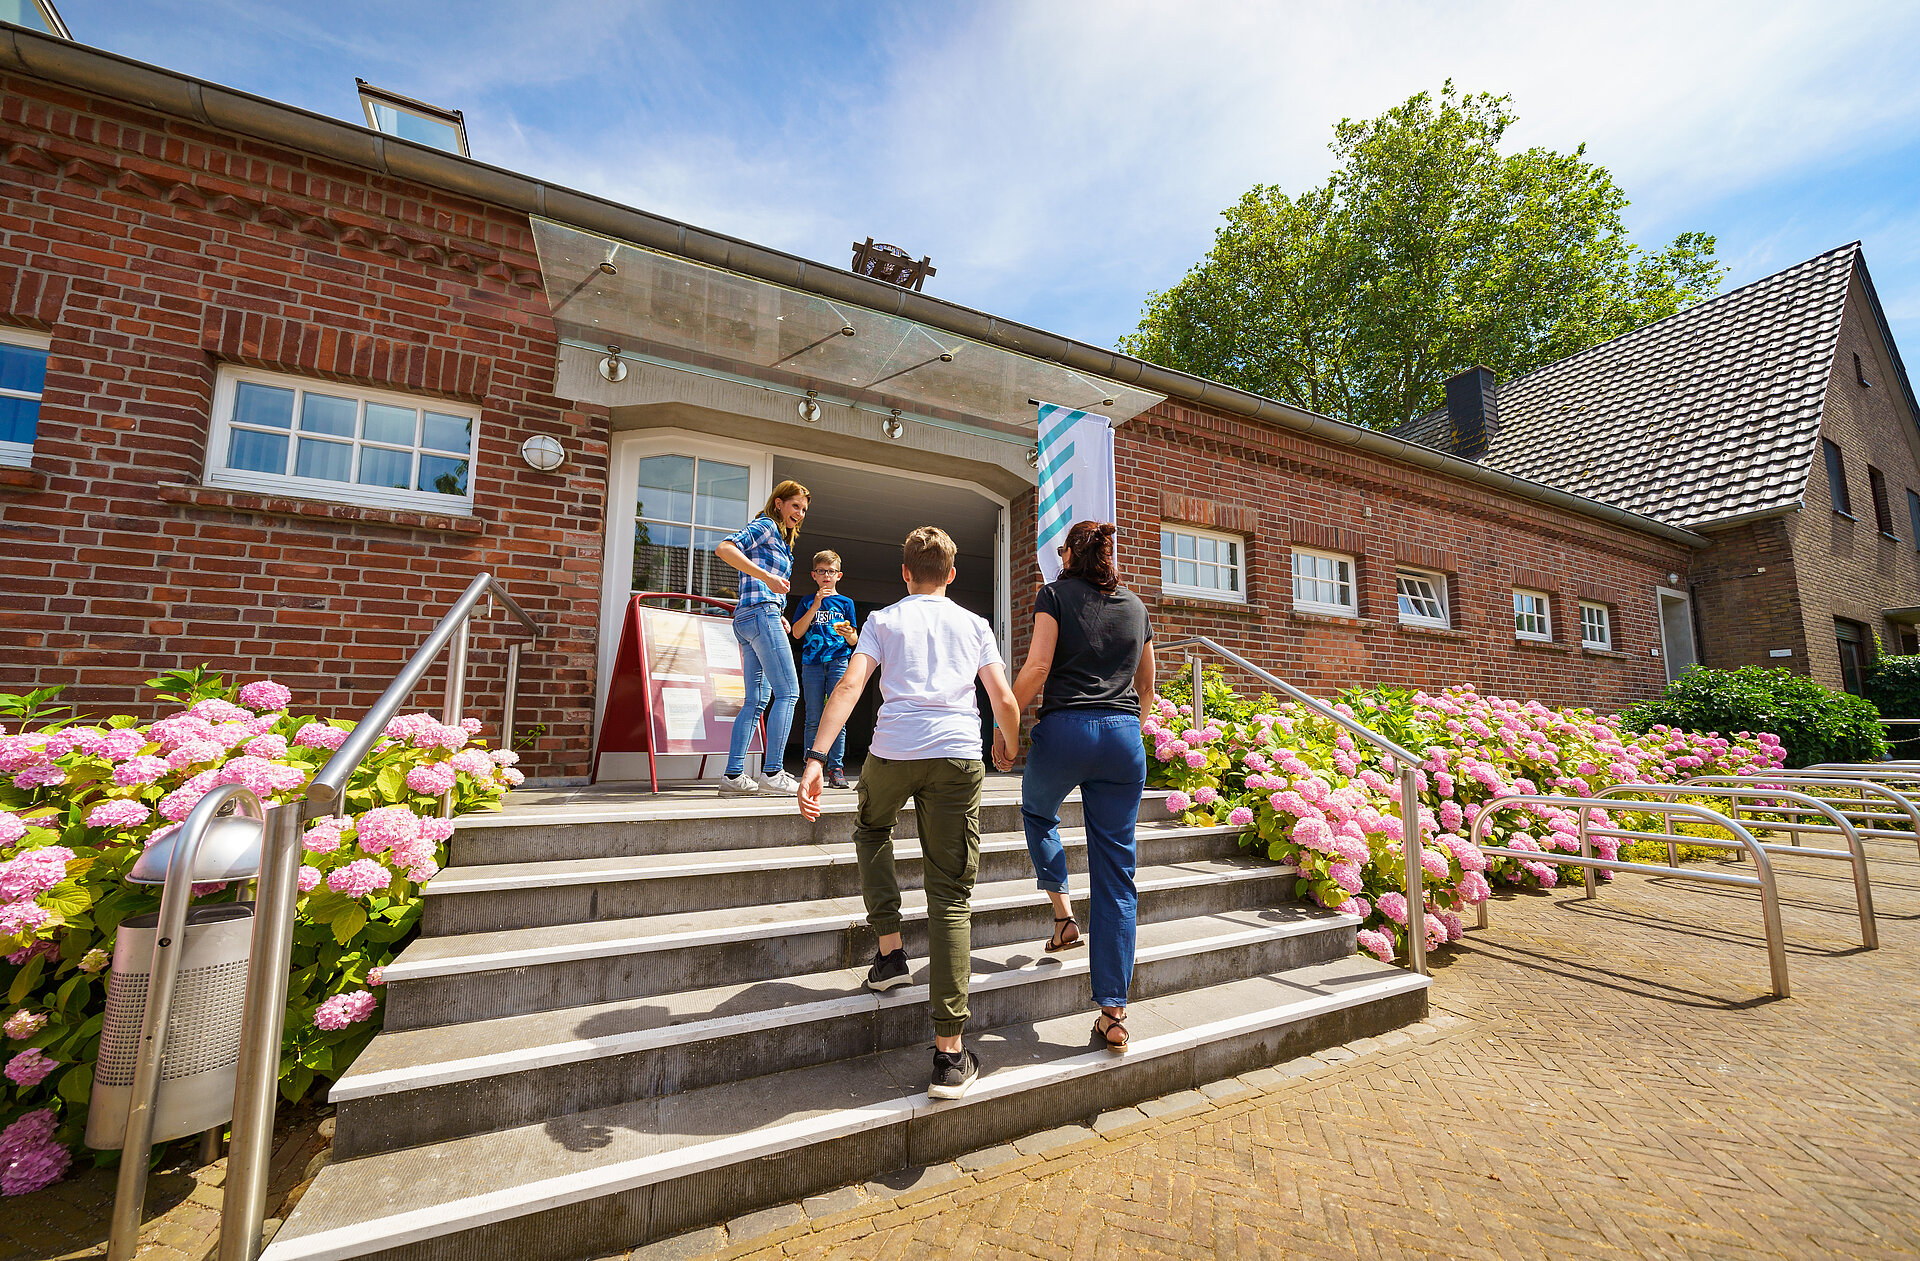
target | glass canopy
x=609, y=293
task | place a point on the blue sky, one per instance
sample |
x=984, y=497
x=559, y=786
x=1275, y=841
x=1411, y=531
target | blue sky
x=1061, y=160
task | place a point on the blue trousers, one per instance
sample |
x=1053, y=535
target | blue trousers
x=766, y=658
x=817, y=681
x=1099, y=752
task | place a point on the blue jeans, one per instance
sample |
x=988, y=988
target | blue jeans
x=766, y=657
x=817, y=681
x=1099, y=752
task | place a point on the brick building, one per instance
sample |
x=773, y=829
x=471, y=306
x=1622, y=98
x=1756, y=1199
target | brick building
x=1778, y=421
x=267, y=376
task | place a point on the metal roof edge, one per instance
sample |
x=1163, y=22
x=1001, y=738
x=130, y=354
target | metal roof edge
x=169, y=91
x=1886, y=334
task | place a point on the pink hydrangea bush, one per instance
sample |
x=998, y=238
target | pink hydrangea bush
x=1310, y=795
x=78, y=803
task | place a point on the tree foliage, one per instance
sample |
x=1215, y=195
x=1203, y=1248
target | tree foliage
x=1427, y=251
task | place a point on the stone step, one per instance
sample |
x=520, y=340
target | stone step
x=480, y=976
x=494, y=897
x=675, y=826
x=599, y=1181
x=418, y=1086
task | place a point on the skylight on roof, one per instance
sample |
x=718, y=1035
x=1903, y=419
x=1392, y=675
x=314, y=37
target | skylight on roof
x=35, y=15
x=395, y=115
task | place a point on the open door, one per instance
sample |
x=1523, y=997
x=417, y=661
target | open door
x=1676, y=631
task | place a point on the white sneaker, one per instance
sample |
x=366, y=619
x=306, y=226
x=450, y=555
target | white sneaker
x=741, y=785
x=779, y=782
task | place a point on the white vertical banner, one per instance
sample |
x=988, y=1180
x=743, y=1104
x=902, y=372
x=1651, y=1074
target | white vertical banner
x=1076, y=477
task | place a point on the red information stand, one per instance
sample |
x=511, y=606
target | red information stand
x=677, y=684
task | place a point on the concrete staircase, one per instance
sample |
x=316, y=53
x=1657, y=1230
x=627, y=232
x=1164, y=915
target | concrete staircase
x=620, y=1023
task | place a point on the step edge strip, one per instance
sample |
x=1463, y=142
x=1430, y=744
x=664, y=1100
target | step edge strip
x=342, y=1242
x=535, y=956
x=771, y=804
x=580, y=1050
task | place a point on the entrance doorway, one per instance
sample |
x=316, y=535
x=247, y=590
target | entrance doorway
x=673, y=495
x=1676, y=632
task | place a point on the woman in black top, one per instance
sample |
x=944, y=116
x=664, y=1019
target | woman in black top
x=1090, y=661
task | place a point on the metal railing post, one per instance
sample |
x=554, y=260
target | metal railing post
x=1411, y=849
x=257, y=1084
x=1199, y=694
x=169, y=945
x=1589, y=879
x=513, y=695
x=456, y=698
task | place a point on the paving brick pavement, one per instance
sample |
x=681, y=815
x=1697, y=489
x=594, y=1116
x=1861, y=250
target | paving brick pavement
x=1600, y=1079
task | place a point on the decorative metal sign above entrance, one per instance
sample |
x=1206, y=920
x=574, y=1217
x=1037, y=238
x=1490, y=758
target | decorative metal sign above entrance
x=608, y=294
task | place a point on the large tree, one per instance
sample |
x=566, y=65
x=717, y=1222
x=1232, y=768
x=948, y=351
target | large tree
x=1426, y=252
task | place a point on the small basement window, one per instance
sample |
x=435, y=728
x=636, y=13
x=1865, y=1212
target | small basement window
x=23, y=379
x=318, y=440
x=1423, y=597
x=402, y=116
x=1837, y=478
x=1596, y=625
x=1323, y=583
x=1532, y=615
x=1201, y=563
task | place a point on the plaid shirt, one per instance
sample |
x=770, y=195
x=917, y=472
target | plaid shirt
x=761, y=543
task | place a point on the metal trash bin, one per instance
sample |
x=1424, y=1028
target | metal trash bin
x=202, y=1049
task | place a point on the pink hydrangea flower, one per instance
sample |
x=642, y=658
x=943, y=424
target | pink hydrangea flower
x=359, y=878
x=141, y=770
x=269, y=746
x=122, y=744
x=504, y=757
x=343, y=1009
x=21, y=751
x=513, y=776
x=1194, y=760
x=24, y=1023
x=1205, y=795
x=30, y=1068
x=319, y=735
x=194, y=752
x=40, y=777
x=1376, y=943
x=436, y=830
x=1240, y=817
x=1313, y=834
x=323, y=837
x=17, y=919
x=217, y=710
x=1178, y=802
x=12, y=827
x=432, y=779
x=266, y=696
x=471, y=726
x=376, y=976
x=179, y=803
x=309, y=878
x=30, y=1157
x=1434, y=863
x=1347, y=876
x=382, y=829
x=1474, y=887
x=31, y=873
x=474, y=762
x=1393, y=906
x=119, y=813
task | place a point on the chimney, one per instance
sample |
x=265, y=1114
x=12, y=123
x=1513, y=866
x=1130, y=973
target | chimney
x=1473, y=410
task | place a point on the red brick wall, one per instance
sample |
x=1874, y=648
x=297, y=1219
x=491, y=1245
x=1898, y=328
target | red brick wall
x=1848, y=568
x=156, y=250
x=1279, y=488
x=1746, y=599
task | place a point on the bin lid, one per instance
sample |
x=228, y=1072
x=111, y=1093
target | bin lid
x=231, y=851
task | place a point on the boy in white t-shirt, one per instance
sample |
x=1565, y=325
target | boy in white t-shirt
x=926, y=745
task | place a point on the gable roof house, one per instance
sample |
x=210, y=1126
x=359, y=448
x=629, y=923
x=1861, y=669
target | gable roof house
x=1778, y=421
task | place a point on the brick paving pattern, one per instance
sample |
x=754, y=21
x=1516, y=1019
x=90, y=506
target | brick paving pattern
x=1599, y=1079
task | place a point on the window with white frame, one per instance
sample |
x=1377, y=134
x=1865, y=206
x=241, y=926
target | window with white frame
x=684, y=507
x=1323, y=582
x=23, y=379
x=318, y=440
x=1423, y=597
x=1596, y=625
x=1201, y=563
x=1532, y=616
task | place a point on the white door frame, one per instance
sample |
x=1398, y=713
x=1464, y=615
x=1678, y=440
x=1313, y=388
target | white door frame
x=1660, y=596
x=629, y=447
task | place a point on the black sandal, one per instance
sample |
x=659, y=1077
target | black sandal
x=1060, y=939
x=1114, y=1023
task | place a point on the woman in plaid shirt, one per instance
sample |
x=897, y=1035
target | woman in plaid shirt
x=763, y=553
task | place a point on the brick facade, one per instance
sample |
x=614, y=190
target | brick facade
x=1746, y=598
x=154, y=250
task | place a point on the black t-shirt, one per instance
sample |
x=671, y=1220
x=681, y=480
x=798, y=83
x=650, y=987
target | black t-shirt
x=1102, y=635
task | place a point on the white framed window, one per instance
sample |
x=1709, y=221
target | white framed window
x=317, y=440
x=1323, y=583
x=1202, y=563
x=1596, y=625
x=1532, y=615
x=23, y=379
x=1423, y=597
x=683, y=506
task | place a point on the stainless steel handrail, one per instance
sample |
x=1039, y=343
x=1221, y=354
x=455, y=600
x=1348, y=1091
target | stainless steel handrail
x=1407, y=768
x=1855, y=853
x=1761, y=880
x=256, y=1090
x=1902, y=804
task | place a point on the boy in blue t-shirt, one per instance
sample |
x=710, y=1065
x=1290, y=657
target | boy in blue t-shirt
x=827, y=632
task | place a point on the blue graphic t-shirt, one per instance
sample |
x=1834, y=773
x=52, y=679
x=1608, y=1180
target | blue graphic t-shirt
x=821, y=643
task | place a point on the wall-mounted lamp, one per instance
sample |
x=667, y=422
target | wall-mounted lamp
x=846, y=330
x=542, y=453
x=611, y=368
x=809, y=411
x=1673, y=579
x=892, y=427
x=1033, y=457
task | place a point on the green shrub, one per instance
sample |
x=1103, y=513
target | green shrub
x=1813, y=723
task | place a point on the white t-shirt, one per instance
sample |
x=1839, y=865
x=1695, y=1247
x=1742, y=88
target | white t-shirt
x=929, y=651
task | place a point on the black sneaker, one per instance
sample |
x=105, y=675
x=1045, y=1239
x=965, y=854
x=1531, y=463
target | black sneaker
x=953, y=1074
x=837, y=778
x=889, y=971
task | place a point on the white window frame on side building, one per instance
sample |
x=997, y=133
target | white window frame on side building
x=1603, y=622
x=1522, y=614
x=428, y=412
x=1413, y=601
x=20, y=454
x=1326, y=569
x=1228, y=565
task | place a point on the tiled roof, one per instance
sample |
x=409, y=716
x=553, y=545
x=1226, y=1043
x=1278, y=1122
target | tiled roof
x=1709, y=413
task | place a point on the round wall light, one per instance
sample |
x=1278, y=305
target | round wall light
x=892, y=427
x=809, y=411
x=542, y=453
